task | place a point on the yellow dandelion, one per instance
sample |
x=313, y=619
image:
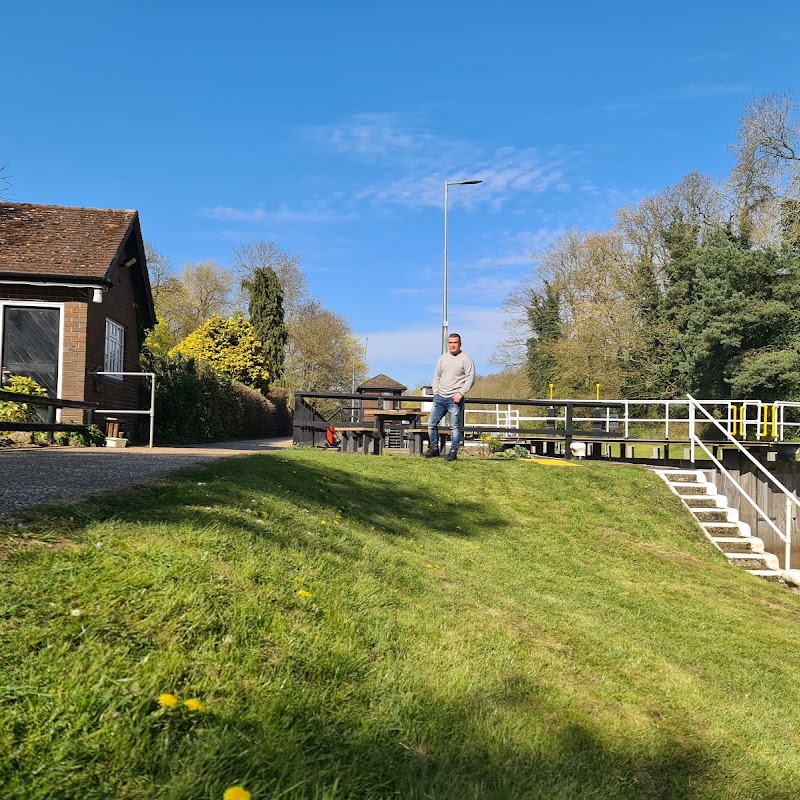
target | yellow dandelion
x=298, y=579
x=167, y=700
x=429, y=566
x=193, y=704
x=303, y=593
x=323, y=522
x=236, y=793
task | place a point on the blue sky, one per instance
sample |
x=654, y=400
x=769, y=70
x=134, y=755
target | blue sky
x=331, y=127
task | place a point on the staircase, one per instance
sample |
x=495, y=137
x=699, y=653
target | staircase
x=721, y=523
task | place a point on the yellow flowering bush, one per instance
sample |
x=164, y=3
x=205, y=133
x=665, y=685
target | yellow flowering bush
x=231, y=347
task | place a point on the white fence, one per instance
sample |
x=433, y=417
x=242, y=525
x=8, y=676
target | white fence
x=748, y=419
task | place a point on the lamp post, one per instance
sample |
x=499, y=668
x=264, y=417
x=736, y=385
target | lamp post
x=447, y=184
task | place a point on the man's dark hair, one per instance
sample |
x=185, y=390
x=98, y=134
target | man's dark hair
x=455, y=336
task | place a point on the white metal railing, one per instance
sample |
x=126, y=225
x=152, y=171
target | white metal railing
x=151, y=412
x=500, y=417
x=791, y=500
x=750, y=419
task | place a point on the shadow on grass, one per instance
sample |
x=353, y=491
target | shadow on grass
x=233, y=486
x=437, y=751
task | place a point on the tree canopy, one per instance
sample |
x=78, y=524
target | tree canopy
x=695, y=289
x=231, y=347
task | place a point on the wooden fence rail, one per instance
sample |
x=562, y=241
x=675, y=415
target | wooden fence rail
x=51, y=403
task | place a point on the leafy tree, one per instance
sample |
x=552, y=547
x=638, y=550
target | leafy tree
x=733, y=316
x=184, y=302
x=322, y=352
x=545, y=326
x=231, y=347
x=266, y=317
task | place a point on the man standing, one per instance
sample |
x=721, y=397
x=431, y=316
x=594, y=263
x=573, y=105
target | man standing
x=452, y=379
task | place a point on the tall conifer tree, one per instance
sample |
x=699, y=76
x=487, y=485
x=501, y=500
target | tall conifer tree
x=266, y=317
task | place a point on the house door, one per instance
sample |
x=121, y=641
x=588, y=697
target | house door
x=30, y=345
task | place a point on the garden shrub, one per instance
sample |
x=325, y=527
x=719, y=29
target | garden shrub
x=258, y=414
x=20, y=412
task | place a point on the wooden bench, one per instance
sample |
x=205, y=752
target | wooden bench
x=355, y=438
x=418, y=436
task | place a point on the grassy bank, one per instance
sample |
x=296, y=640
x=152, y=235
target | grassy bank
x=390, y=627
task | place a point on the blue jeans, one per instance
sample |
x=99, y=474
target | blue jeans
x=442, y=406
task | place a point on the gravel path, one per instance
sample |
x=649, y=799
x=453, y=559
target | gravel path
x=30, y=476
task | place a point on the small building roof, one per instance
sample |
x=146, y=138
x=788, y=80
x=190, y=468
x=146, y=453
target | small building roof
x=62, y=241
x=59, y=244
x=380, y=382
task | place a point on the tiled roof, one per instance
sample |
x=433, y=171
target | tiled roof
x=381, y=382
x=57, y=240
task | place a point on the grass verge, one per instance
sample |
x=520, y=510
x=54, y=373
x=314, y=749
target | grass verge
x=390, y=627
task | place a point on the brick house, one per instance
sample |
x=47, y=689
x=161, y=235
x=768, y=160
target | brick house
x=74, y=299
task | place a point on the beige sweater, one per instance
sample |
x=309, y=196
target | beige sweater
x=453, y=374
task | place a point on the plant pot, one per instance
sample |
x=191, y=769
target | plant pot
x=116, y=441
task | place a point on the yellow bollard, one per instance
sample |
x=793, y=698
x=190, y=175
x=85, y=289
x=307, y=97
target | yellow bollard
x=552, y=386
x=597, y=390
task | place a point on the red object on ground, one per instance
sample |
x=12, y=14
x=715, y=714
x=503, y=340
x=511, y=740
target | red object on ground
x=330, y=435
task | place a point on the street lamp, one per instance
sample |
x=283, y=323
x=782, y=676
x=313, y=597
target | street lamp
x=444, y=293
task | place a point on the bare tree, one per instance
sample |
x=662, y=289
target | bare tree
x=159, y=269
x=250, y=256
x=5, y=180
x=767, y=169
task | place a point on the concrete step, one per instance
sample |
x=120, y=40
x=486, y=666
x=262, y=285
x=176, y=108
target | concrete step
x=716, y=514
x=740, y=544
x=751, y=561
x=705, y=501
x=769, y=575
x=726, y=528
x=692, y=489
x=681, y=475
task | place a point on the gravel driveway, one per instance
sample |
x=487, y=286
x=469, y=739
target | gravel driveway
x=30, y=476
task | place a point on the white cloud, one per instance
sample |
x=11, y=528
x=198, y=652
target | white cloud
x=383, y=137
x=711, y=57
x=281, y=216
x=504, y=173
x=417, y=156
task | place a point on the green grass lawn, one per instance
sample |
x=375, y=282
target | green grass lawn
x=391, y=627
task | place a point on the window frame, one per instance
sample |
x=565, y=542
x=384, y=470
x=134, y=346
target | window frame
x=119, y=349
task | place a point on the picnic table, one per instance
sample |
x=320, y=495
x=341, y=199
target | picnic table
x=382, y=416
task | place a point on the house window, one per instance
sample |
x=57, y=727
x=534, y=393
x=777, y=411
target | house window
x=115, y=349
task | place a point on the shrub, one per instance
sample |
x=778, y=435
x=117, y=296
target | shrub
x=193, y=402
x=517, y=451
x=231, y=347
x=258, y=418
x=494, y=444
x=20, y=412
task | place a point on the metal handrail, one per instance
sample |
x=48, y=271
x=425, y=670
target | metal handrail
x=151, y=412
x=785, y=537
